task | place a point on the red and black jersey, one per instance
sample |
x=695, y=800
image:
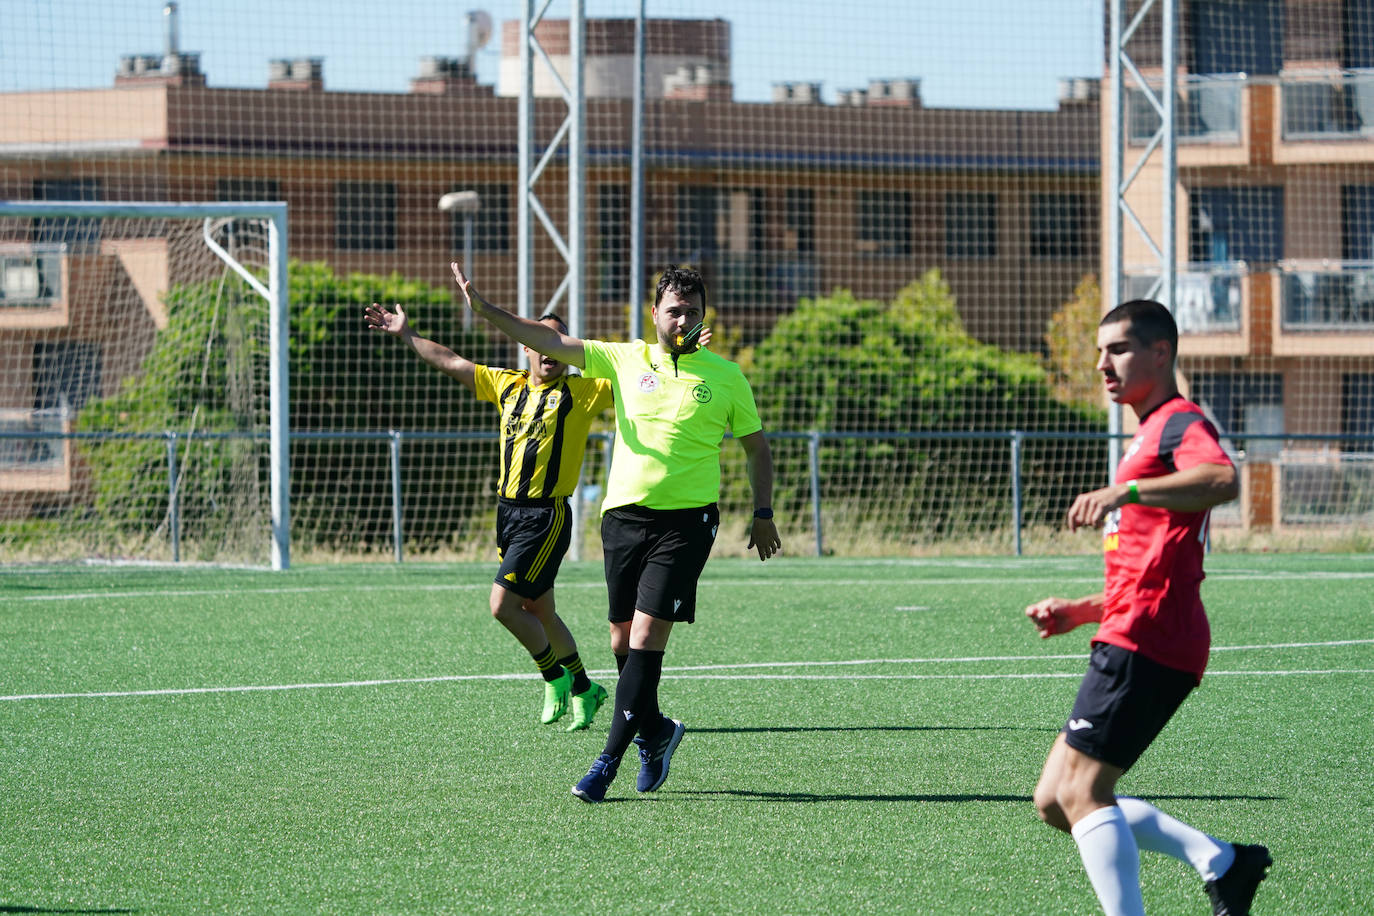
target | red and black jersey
x=1154, y=555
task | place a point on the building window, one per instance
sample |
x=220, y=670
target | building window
x=490, y=223
x=247, y=190
x=1357, y=34
x=66, y=374
x=1357, y=223
x=883, y=221
x=713, y=221
x=613, y=242
x=970, y=225
x=1235, y=36
x=59, y=230
x=1235, y=224
x=1243, y=403
x=365, y=216
x=1357, y=409
x=1057, y=226
x=799, y=220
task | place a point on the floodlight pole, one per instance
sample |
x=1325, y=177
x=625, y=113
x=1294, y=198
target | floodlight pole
x=1164, y=139
x=574, y=129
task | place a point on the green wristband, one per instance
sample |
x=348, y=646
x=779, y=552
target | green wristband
x=1132, y=491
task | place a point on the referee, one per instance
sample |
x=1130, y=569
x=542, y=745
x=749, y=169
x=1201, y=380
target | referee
x=674, y=404
x=545, y=417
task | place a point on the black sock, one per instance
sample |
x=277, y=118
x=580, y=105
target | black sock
x=636, y=693
x=547, y=664
x=573, y=664
x=620, y=663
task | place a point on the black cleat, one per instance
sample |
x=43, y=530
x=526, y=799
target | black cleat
x=1232, y=892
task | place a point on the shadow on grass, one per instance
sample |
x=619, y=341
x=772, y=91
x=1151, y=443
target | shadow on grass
x=786, y=729
x=836, y=797
x=956, y=798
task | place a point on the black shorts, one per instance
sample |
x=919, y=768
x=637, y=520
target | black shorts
x=532, y=536
x=1123, y=704
x=654, y=558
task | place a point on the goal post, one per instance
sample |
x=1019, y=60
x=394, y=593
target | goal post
x=72, y=315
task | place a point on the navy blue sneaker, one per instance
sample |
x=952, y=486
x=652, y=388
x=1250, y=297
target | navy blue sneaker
x=592, y=787
x=1232, y=892
x=654, y=756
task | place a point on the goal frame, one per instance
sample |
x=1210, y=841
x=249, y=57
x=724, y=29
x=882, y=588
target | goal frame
x=275, y=292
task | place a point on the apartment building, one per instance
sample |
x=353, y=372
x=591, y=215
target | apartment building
x=772, y=201
x=1275, y=219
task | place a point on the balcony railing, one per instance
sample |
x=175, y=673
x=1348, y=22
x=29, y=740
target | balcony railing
x=30, y=276
x=1208, y=110
x=1327, y=105
x=1327, y=296
x=1207, y=297
x=32, y=454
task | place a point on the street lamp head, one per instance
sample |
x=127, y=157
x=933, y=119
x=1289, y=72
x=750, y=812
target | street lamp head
x=460, y=202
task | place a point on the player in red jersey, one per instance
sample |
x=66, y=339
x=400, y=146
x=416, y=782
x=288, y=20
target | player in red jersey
x=1152, y=641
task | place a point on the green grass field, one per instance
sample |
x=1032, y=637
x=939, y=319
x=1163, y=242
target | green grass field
x=862, y=737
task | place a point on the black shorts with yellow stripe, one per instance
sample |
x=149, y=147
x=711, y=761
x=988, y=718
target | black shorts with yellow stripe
x=532, y=536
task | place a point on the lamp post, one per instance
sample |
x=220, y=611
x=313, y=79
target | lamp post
x=466, y=203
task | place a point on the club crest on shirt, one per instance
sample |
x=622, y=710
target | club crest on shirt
x=553, y=399
x=648, y=383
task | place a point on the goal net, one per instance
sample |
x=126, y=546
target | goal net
x=137, y=374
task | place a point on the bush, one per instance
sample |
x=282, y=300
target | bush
x=862, y=366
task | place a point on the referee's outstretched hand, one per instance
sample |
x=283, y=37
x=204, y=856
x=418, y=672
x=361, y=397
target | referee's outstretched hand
x=763, y=537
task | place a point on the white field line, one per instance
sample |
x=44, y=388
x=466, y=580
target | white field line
x=699, y=672
x=919, y=583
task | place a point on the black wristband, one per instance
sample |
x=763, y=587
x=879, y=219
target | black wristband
x=765, y=512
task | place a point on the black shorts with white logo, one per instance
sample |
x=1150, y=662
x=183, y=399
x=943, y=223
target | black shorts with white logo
x=532, y=536
x=654, y=558
x=1123, y=703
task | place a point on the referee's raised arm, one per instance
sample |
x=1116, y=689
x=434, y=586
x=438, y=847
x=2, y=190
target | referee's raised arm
x=536, y=335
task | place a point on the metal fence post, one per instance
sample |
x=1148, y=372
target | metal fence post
x=813, y=455
x=173, y=502
x=1017, y=438
x=396, y=526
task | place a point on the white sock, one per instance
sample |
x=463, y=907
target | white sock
x=1158, y=832
x=1111, y=860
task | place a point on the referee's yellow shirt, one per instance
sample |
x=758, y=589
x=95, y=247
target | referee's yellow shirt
x=670, y=418
x=543, y=429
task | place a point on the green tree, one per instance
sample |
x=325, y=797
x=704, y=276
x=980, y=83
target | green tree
x=1070, y=348
x=207, y=373
x=886, y=369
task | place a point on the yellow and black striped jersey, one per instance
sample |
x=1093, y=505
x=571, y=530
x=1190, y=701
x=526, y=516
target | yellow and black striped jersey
x=543, y=429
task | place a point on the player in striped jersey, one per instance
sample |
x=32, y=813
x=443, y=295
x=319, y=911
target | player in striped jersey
x=545, y=417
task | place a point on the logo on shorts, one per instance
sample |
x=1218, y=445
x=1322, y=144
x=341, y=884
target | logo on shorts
x=648, y=383
x=701, y=393
x=1079, y=724
x=677, y=603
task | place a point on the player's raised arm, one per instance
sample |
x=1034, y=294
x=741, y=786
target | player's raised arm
x=435, y=354
x=537, y=336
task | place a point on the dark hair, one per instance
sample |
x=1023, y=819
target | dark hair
x=547, y=316
x=682, y=280
x=1149, y=322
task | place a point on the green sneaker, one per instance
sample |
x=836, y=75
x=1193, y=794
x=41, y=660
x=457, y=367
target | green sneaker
x=585, y=705
x=556, y=697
